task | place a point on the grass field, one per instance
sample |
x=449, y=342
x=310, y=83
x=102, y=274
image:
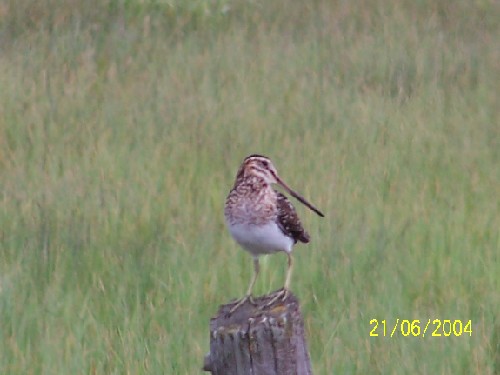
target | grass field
x=122, y=124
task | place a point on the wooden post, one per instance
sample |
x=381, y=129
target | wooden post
x=258, y=340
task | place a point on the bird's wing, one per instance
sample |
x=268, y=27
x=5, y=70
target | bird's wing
x=289, y=222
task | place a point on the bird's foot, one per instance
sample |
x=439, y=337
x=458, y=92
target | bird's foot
x=281, y=294
x=238, y=304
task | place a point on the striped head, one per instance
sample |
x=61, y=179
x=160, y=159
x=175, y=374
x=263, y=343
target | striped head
x=263, y=168
x=258, y=166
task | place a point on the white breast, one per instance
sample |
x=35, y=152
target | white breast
x=261, y=239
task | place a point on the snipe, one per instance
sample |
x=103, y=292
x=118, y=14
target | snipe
x=261, y=219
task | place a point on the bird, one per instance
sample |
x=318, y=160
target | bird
x=262, y=220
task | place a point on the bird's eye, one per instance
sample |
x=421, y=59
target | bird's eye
x=265, y=163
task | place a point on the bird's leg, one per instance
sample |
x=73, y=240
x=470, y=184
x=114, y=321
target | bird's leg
x=248, y=295
x=256, y=269
x=283, y=293
x=288, y=272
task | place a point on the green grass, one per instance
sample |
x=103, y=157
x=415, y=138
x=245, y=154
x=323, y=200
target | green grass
x=122, y=125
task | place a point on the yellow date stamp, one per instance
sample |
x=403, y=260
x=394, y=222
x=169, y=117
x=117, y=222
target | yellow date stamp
x=420, y=328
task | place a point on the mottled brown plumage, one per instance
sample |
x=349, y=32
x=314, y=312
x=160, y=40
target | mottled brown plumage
x=289, y=222
x=250, y=201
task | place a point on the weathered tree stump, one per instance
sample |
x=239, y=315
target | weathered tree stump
x=258, y=339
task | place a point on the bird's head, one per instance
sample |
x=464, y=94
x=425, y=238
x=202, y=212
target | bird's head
x=263, y=168
x=258, y=166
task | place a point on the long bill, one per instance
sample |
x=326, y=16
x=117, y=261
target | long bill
x=299, y=197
